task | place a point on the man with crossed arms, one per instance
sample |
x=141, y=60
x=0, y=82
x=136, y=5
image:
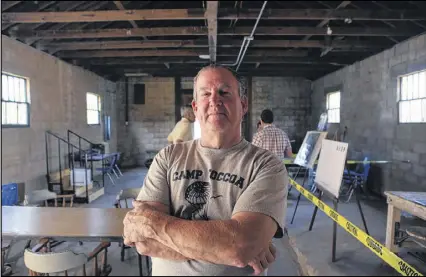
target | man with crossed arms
x=211, y=206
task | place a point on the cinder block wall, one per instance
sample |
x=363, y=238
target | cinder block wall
x=369, y=110
x=58, y=103
x=290, y=101
x=149, y=124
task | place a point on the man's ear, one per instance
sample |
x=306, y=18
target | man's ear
x=194, y=106
x=244, y=103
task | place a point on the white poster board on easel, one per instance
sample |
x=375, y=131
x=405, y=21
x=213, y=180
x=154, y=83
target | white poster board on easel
x=331, y=165
x=308, y=152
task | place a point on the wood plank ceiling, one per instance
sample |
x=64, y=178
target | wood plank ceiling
x=260, y=38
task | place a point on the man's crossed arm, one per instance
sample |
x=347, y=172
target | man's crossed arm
x=240, y=241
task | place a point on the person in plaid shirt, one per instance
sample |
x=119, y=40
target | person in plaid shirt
x=272, y=138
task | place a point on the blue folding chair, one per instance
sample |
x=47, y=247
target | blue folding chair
x=357, y=178
x=109, y=168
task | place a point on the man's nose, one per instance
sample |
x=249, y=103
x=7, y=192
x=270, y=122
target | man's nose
x=215, y=99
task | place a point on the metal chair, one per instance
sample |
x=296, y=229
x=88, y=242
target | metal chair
x=357, y=178
x=109, y=168
x=116, y=163
x=125, y=195
x=42, y=197
x=43, y=263
x=6, y=268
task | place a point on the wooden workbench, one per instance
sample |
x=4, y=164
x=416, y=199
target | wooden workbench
x=82, y=224
x=412, y=202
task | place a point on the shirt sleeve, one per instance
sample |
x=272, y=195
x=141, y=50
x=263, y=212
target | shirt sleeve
x=267, y=193
x=287, y=143
x=257, y=140
x=183, y=132
x=156, y=187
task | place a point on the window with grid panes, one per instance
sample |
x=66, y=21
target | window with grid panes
x=93, y=108
x=333, y=107
x=412, y=98
x=15, y=104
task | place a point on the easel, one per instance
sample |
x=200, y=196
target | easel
x=306, y=166
x=300, y=194
x=335, y=206
x=321, y=127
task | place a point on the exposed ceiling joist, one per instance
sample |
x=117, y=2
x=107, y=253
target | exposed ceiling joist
x=252, y=60
x=137, y=44
x=198, y=14
x=387, y=8
x=190, y=31
x=41, y=7
x=5, y=5
x=211, y=15
x=325, y=21
x=77, y=4
x=178, y=53
x=121, y=7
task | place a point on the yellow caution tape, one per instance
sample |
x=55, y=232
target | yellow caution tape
x=380, y=250
x=291, y=161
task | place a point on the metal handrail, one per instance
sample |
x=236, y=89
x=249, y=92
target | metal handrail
x=70, y=146
x=80, y=137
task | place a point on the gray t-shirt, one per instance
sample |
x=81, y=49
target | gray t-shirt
x=200, y=183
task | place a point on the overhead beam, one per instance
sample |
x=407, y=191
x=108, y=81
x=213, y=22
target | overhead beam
x=136, y=44
x=387, y=8
x=326, y=21
x=173, y=53
x=191, y=31
x=84, y=5
x=44, y=5
x=5, y=5
x=211, y=14
x=191, y=60
x=120, y=6
x=198, y=14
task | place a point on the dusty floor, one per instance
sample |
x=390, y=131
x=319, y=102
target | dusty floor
x=313, y=248
x=285, y=264
x=352, y=257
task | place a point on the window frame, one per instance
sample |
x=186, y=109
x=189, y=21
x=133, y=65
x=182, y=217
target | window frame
x=327, y=94
x=99, y=109
x=28, y=101
x=399, y=96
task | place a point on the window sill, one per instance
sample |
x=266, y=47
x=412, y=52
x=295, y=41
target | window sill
x=14, y=126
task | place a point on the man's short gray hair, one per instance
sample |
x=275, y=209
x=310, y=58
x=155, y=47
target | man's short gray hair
x=241, y=80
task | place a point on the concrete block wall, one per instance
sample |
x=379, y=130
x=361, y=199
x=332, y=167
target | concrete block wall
x=288, y=98
x=58, y=103
x=149, y=124
x=369, y=110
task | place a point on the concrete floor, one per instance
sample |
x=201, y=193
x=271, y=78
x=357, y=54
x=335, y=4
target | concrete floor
x=285, y=265
x=306, y=253
x=352, y=257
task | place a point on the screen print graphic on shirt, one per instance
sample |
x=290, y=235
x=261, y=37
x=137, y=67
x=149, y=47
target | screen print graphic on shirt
x=198, y=193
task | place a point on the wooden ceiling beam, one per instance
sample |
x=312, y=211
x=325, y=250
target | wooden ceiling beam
x=137, y=44
x=191, y=60
x=343, y=4
x=211, y=15
x=190, y=31
x=120, y=6
x=5, y=5
x=198, y=14
x=42, y=6
x=175, y=53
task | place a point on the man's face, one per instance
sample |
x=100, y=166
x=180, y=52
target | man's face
x=218, y=106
